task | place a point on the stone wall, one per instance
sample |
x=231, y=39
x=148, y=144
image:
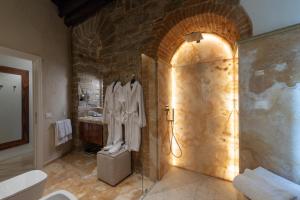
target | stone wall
x=204, y=99
x=113, y=40
x=269, y=76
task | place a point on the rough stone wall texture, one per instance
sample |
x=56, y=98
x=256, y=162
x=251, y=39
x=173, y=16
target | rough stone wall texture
x=113, y=40
x=269, y=76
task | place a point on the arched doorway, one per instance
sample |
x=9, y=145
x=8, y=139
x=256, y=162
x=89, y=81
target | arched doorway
x=229, y=22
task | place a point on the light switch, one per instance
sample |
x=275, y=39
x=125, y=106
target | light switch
x=48, y=115
x=262, y=104
x=259, y=72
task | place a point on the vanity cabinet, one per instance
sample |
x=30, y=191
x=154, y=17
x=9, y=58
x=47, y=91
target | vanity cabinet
x=91, y=133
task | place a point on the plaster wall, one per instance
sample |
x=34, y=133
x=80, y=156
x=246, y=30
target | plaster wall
x=269, y=102
x=269, y=15
x=33, y=27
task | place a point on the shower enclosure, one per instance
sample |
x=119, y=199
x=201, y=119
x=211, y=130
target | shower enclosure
x=200, y=83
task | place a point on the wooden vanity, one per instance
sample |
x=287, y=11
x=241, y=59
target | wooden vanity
x=91, y=130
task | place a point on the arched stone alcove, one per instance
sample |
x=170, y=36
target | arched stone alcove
x=226, y=19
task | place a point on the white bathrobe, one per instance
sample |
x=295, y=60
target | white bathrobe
x=134, y=115
x=112, y=113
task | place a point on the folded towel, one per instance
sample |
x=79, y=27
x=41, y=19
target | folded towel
x=277, y=181
x=267, y=183
x=68, y=126
x=60, y=133
x=60, y=129
x=256, y=190
x=116, y=147
x=63, y=131
x=106, y=148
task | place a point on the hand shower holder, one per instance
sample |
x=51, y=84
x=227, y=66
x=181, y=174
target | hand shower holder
x=168, y=110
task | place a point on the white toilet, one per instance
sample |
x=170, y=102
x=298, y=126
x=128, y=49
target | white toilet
x=60, y=195
x=30, y=186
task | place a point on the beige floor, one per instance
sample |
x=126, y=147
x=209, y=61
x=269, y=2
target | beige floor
x=179, y=184
x=76, y=172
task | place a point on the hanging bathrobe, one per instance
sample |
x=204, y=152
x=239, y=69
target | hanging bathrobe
x=134, y=115
x=112, y=112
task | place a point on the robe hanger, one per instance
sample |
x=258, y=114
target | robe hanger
x=116, y=81
x=132, y=79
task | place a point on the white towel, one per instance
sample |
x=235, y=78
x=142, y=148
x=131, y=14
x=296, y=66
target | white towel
x=63, y=131
x=268, y=184
x=256, y=190
x=116, y=147
x=68, y=128
x=60, y=129
x=60, y=133
x=277, y=181
x=108, y=147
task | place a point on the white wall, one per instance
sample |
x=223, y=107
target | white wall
x=269, y=15
x=33, y=26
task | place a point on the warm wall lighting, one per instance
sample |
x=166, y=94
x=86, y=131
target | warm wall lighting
x=192, y=52
x=173, y=78
x=175, y=149
x=233, y=123
x=183, y=56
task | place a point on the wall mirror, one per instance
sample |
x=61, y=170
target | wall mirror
x=14, y=107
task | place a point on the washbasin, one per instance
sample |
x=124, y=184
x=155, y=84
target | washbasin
x=92, y=118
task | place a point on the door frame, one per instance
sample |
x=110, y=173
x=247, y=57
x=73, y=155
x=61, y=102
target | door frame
x=37, y=89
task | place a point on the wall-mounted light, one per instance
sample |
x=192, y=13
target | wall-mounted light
x=193, y=37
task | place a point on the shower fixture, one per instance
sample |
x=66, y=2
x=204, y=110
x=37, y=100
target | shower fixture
x=193, y=37
x=168, y=110
x=173, y=140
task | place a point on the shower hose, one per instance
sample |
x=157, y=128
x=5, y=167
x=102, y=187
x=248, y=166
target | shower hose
x=173, y=139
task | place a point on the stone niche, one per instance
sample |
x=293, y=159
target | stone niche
x=269, y=77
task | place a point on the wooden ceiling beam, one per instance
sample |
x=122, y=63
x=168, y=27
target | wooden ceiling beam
x=70, y=6
x=82, y=13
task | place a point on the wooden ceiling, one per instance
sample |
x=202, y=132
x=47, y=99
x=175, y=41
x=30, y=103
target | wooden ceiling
x=77, y=11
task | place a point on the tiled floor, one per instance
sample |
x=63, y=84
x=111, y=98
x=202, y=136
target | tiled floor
x=179, y=184
x=76, y=172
